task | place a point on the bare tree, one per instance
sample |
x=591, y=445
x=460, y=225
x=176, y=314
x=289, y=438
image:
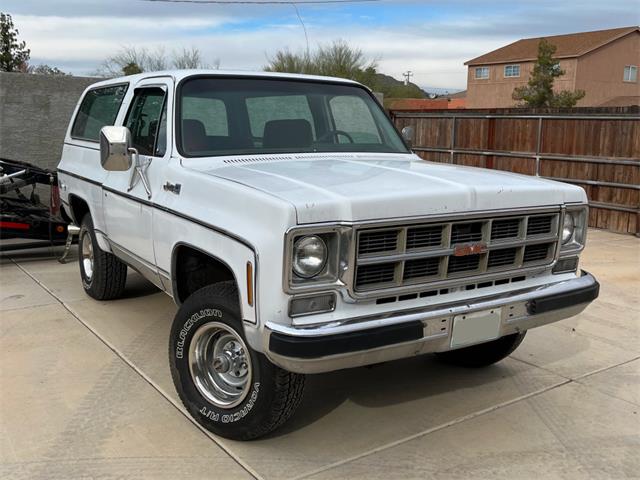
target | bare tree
x=130, y=59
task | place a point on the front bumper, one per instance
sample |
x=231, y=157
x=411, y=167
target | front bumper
x=363, y=341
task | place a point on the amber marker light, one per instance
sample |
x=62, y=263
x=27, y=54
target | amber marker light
x=250, y=284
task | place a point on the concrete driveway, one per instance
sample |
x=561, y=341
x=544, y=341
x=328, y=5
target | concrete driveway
x=85, y=392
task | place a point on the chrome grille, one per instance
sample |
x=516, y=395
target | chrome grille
x=505, y=228
x=375, y=242
x=539, y=225
x=424, y=237
x=427, y=253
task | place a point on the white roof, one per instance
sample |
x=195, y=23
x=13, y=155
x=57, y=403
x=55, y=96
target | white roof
x=178, y=75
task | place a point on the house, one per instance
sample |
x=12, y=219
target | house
x=603, y=63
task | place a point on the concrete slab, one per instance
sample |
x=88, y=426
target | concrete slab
x=622, y=382
x=344, y=415
x=72, y=409
x=563, y=433
x=18, y=290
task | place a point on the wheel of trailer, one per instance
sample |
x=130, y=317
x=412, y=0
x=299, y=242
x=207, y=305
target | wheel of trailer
x=103, y=275
x=228, y=388
x=483, y=354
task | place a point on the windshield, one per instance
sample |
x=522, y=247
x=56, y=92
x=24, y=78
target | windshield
x=233, y=116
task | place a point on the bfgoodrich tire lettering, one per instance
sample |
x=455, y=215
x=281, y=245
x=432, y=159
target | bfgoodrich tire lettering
x=103, y=275
x=272, y=394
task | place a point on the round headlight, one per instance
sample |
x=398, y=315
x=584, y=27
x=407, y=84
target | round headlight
x=567, y=228
x=309, y=256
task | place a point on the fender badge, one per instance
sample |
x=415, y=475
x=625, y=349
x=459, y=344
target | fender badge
x=469, y=249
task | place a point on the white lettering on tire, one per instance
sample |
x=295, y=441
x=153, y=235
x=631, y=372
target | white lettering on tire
x=193, y=319
x=236, y=416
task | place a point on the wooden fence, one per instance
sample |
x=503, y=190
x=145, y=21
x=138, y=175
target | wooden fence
x=600, y=151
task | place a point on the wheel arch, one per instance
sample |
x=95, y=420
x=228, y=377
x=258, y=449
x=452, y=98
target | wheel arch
x=188, y=259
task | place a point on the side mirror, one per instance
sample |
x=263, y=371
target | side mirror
x=115, y=143
x=408, y=134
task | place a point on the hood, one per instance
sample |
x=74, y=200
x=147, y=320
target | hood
x=351, y=187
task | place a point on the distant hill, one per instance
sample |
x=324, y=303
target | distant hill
x=392, y=88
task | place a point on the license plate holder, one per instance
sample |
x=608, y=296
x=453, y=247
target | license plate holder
x=476, y=327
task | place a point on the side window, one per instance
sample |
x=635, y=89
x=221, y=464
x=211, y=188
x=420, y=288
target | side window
x=210, y=112
x=262, y=110
x=144, y=121
x=352, y=115
x=99, y=107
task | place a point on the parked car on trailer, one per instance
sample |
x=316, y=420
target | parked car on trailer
x=299, y=234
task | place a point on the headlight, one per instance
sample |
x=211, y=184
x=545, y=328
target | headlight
x=309, y=256
x=568, y=228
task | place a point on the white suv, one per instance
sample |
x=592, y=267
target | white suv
x=299, y=234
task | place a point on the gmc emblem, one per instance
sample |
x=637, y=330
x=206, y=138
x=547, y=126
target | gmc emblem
x=469, y=249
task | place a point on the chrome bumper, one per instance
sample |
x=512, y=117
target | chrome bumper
x=368, y=340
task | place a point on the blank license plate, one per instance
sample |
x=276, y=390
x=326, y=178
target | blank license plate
x=476, y=327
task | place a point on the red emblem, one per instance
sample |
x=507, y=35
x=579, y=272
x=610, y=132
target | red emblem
x=469, y=249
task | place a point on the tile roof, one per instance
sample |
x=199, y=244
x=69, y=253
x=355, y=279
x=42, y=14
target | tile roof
x=570, y=45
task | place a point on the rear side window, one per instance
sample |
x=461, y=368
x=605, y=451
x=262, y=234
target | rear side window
x=99, y=107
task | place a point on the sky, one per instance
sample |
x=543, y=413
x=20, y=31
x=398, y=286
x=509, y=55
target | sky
x=433, y=39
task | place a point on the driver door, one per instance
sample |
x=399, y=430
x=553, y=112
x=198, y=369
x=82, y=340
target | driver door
x=129, y=195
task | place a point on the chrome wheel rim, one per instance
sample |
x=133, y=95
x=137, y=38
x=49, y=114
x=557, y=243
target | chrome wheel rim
x=87, y=256
x=220, y=364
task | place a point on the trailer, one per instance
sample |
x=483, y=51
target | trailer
x=26, y=219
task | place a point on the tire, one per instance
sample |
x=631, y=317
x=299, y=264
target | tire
x=103, y=275
x=261, y=396
x=484, y=354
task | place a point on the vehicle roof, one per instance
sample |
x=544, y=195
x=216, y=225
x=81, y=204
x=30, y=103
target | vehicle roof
x=178, y=75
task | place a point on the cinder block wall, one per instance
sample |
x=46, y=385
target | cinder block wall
x=34, y=114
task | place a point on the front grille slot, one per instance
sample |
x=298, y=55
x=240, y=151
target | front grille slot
x=464, y=264
x=374, y=274
x=424, y=237
x=540, y=225
x=507, y=228
x=424, y=267
x=422, y=255
x=377, y=242
x=502, y=257
x=466, y=232
x=535, y=253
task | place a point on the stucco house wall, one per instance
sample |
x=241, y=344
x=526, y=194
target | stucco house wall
x=601, y=72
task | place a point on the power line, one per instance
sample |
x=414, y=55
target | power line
x=258, y=2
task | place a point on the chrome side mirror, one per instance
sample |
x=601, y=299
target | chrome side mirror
x=115, y=144
x=408, y=133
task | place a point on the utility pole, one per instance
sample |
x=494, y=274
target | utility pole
x=407, y=77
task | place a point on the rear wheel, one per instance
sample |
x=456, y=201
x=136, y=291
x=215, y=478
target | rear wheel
x=228, y=388
x=484, y=354
x=103, y=275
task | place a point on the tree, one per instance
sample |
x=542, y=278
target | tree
x=339, y=59
x=130, y=60
x=539, y=90
x=131, y=68
x=45, y=69
x=13, y=53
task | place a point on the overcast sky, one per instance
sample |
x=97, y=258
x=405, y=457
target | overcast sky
x=431, y=38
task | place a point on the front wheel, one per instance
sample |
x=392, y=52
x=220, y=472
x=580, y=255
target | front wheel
x=227, y=387
x=484, y=354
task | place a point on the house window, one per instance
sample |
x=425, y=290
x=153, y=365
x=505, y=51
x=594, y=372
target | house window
x=482, y=73
x=631, y=73
x=511, y=71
